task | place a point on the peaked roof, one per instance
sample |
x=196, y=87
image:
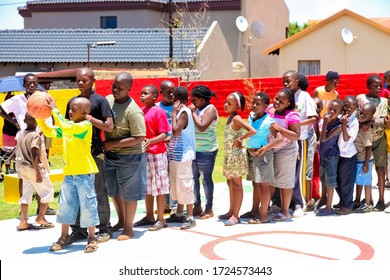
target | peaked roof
x=275, y=48
x=70, y=45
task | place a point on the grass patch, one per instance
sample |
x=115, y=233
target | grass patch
x=11, y=210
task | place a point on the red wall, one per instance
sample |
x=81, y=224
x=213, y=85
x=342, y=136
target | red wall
x=349, y=84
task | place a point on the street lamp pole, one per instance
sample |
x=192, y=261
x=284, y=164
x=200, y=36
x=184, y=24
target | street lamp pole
x=94, y=45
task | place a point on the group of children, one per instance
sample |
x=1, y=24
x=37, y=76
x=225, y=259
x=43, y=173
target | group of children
x=159, y=152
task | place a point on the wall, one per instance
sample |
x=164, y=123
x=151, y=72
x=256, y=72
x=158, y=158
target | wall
x=351, y=84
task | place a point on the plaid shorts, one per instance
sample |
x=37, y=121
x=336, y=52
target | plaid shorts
x=157, y=181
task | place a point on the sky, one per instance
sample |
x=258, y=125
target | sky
x=300, y=10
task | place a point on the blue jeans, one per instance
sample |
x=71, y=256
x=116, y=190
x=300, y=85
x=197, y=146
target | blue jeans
x=203, y=166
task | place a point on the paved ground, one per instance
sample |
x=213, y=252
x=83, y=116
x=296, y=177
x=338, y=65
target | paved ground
x=298, y=246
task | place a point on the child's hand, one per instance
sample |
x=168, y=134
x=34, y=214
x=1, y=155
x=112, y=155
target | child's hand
x=147, y=143
x=327, y=117
x=344, y=120
x=259, y=152
x=51, y=102
x=39, y=177
x=176, y=107
x=365, y=168
x=237, y=143
x=107, y=145
x=192, y=107
x=275, y=128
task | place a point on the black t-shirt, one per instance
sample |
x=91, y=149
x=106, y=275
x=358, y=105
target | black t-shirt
x=9, y=128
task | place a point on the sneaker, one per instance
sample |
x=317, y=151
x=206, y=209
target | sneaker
x=337, y=206
x=103, y=237
x=78, y=235
x=197, y=210
x=189, y=223
x=274, y=209
x=364, y=208
x=49, y=211
x=343, y=211
x=380, y=206
x=356, y=204
x=232, y=221
x=249, y=215
x=175, y=219
x=298, y=213
x=319, y=203
x=206, y=214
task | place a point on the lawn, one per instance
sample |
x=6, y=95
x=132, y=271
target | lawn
x=11, y=210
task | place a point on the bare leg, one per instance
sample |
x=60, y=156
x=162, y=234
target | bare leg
x=256, y=197
x=285, y=197
x=367, y=193
x=190, y=208
x=161, y=200
x=41, y=213
x=130, y=208
x=149, y=203
x=238, y=196
x=23, y=216
x=381, y=183
x=329, y=199
x=309, y=190
x=264, y=198
x=119, y=207
x=358, y=195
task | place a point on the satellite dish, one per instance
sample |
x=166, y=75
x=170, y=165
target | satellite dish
x=347, y=35
x=258, y=29
x=242, y=23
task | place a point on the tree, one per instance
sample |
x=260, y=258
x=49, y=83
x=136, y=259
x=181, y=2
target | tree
x=294, y=28
x=180, y=20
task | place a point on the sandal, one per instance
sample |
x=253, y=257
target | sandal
x=232, y=221
x=224, y=216
x=143, y=222
x=280, y=217
x=258, y=221
x=157, y=226
x=61, y=243
x=91, y=246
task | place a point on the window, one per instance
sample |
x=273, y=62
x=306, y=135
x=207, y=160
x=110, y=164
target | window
x=108, y=22
x=309, y=67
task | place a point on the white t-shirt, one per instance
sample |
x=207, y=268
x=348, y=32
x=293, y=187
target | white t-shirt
x=306, y=108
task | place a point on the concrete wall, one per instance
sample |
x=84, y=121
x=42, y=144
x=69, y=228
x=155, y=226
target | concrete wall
x=367, y=53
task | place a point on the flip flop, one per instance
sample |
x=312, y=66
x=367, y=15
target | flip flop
x=45, y=226
x=30, y=226
x=157, y=226
x=258, y=221
x=280, y=217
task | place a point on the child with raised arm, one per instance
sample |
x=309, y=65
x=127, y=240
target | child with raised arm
x=157, y=183
x=329, y=153
x=261, y=159
x=346, y=174
x=235, y=164
x=363, y=143
x=78, y=190
x=28, y=153
x=181, y=153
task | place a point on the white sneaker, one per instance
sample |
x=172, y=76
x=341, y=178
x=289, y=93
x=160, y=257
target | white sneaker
x=298, y=213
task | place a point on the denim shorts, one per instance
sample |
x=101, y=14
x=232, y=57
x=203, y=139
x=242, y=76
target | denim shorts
x=126, y=175
x=78, y=192
x=363, y=179
x=328, y=171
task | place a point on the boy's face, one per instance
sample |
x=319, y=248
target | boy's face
x=84, y=82
x=167, y=94
x=120, y=89
x=365, y=115
x=376, y=87
x=319, y=106
x=31, y=84
x=76, y=112
x=147, y=97
x=258, y=106
x=30, y=122
x=334, y=109
x=290, y=82
x=349, y=107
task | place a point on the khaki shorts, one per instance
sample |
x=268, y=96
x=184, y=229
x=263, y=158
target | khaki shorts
x=379, y=151
x=182, y=181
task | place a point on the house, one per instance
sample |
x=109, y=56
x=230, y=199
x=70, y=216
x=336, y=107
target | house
x=214, y=50
x=362, y=48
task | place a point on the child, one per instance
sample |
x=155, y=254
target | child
x=329, y=153
x=78, y=189
x=166, y=90
x=346, y=174
x=181, y=153
x=29, y=150
x=287, y=123
x=328, y=92
x=157, y=184
x=125, y=157
x=363, y=143
x=261, y=159
x=205, y=117
x=102, y=119
x=374, y=86
x=235, y=163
